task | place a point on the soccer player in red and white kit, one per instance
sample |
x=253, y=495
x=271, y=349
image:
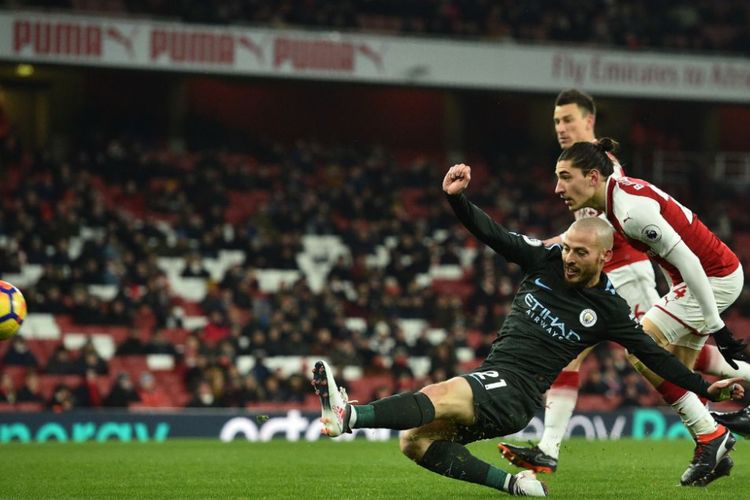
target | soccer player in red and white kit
x=629, y=270
x=706, y=277
x=632, y=274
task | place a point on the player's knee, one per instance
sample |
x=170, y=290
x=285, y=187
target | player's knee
x=436, y=392
x=451, y=399
x=413, y=445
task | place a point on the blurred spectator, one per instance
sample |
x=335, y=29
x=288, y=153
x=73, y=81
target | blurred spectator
x=633, y=390
x=194, y=267
x=89, y=359
x=400, y=368
x=61, y=362
x=345, y=354
x=30, y=392
x=160, y=344
x=132, y=345
x=87, y=393
x=217, y=328
x=380, y=392
x=19, y=354
x=298, y=388
x=151, y=394
x=7, y=389
x=443, y=361
x=259, y=370
x=122, y=392
x=196, y=371
x=595, y=384
x=203, y=396
x=62, y=399
x=276, y=389
x=250, y=391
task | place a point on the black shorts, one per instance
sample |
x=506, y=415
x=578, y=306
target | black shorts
x=500, y=406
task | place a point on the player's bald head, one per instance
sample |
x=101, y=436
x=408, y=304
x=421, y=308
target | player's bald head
x=597, y=227
x=586, y=248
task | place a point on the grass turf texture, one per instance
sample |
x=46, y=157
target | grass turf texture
x=624, y=469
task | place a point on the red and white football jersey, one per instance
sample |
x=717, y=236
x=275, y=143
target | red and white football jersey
x=654, y=222
x=623, y=253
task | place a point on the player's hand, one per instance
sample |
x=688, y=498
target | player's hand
x=552, y=241
x=727, y=389
x=457, y=179
x=730, y=347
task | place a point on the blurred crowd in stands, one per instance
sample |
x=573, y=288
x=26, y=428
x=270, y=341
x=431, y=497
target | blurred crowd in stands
x=108, y=214
x=701, y=25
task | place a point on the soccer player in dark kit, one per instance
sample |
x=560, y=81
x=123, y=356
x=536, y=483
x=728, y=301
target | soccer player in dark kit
x=564, y=304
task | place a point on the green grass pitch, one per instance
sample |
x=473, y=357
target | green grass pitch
x=624, y=469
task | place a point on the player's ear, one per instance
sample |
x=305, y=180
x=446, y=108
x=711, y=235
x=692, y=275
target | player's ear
x=606, y=255
x=594, y=176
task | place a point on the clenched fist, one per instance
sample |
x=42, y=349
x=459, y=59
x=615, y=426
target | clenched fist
x=457, y=179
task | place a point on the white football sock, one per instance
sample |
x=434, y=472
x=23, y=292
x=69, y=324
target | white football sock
x=559, y=408
x=352, y=416
x=694, y=414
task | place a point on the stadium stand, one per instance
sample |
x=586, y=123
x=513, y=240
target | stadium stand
x=702, y=25
x=229, y=271
x=266, y=295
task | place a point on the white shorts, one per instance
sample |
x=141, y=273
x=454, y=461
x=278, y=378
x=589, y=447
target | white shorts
x=636, y=283
x=678, y=314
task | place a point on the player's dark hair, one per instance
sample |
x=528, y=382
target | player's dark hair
x=590, y=156
x=577, y=97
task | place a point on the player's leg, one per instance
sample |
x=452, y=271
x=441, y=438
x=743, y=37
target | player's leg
x=559, y=405
x=675, y=324
x=711, y=362
x=689, y=406
x=433, y=418
x=437, y=447
x=401, y=411
x=449, y=400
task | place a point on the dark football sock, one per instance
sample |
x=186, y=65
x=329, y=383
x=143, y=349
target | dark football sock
x=402, y=411
x=454, y=460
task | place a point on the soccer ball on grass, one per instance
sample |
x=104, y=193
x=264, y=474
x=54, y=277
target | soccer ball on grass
x=12, y=310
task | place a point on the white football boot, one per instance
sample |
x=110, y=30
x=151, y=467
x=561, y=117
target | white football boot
x=334, y=402
x=525, y=484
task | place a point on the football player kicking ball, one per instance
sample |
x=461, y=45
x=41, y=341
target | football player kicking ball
x=564, y=305
x=632, y=275
x=706, y=277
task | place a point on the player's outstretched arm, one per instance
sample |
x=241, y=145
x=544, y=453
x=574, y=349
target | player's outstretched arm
x=629, y=333
x=514, y=247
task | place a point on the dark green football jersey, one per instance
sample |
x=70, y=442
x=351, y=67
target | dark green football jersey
x=551, y=322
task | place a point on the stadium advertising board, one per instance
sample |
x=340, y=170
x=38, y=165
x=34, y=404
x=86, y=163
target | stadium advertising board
x=292, y=425
x=100, y=41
